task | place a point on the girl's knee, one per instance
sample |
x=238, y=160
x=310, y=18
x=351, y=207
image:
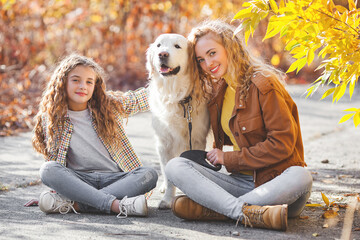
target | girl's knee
x=152, y=172
x=173, y=167
x=302, y=175
x=48, y=169
x=150, y=175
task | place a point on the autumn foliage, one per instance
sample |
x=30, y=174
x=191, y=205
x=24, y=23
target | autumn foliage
x=309, y=29
x=35, y=34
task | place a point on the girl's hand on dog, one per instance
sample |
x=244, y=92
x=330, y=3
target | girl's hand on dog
x=215, y=157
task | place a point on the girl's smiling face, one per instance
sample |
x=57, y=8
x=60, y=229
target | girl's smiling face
x=80, y=87
x=211, y=56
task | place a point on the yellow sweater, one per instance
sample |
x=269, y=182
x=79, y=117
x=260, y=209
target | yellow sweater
x=226, y=114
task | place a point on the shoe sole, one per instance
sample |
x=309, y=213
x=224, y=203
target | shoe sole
x=284, y=211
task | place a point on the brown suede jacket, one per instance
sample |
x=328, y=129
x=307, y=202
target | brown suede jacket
x=265, y=126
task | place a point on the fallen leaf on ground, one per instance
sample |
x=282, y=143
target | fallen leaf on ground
x=356, y=229
x=345, y=176
x=329, y=181
x=329, y=214
x=350, y=194
x=325, y=225
x=304, y=217
x=316, y=234
x=314, y=205
x=325, y=199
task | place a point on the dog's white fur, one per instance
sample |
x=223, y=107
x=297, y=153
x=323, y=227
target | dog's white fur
x=165, y=92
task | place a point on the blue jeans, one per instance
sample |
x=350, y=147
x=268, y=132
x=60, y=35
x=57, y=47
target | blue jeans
x=226, y=194
x=95, y=191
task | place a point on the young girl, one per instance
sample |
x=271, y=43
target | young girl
x=250, y=110
x=90, y=162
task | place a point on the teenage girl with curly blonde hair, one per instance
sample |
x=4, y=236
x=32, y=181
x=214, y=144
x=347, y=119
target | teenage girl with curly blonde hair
x=90, y=162
x=251, y=111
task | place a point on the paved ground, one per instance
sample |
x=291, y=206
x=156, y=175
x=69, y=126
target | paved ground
x=323, y=139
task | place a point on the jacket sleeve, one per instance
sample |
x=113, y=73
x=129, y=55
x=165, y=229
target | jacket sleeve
x=281, y=135
x=135, y=101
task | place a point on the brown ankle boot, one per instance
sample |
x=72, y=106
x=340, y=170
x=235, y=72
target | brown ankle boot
x=185, y=208
x=271, y=217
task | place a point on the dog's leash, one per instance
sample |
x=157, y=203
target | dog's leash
x=187, y=114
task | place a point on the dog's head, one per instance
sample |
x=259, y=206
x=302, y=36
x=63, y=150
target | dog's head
x=168, y=56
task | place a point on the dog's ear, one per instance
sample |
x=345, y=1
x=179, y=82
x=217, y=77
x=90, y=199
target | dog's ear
x=149, y=60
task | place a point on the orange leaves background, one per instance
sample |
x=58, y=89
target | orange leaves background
x=35, y=34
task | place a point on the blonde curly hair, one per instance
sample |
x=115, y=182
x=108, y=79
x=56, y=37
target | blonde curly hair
x=241, y=63
x=54, y=106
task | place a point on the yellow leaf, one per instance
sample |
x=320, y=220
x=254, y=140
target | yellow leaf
x=271, y=32
x=255, y=21
x=323, y=51
x=341, y=9
x=327, y=93
x=344, y=17
x=346, y=117
x=244, y=13
x=302, y=62
x=300, y=54
x=310, y=56
x=246, y=4
x=309, y=90
x=298, y=64
x=247, y=35
x=291, y=45
x=273, y=6
x=357, y=119
x=292, y=67
x=352, y=109
x=352, y=5
x=314, y=205
x=325, y=199
x=282, y=4
x=341, y=92
x=351, y=88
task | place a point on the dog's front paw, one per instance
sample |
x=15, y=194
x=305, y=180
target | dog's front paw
x=164, y=205
x=163, y=187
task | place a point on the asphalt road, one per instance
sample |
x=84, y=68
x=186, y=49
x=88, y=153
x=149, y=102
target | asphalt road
x=331, y=152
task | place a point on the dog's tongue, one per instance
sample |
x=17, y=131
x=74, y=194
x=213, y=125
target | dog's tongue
x=165, y=69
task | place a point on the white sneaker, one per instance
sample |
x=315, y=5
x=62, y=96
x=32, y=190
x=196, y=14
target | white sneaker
x=50, y=202
x=135, y=206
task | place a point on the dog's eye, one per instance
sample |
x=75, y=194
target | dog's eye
x=158, y=45
x=177, y=46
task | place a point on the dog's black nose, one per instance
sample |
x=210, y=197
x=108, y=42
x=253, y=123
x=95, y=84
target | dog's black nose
x=163, y=55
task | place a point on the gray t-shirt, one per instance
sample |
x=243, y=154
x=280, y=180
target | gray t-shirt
x=86, y=151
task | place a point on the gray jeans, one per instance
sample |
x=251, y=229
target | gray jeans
x=95, y=191
x=226, y=194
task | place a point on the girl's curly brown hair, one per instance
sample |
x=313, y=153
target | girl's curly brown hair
x=241, y=63
x=54, y=106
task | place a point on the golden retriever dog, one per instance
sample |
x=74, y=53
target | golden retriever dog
x=177, y=104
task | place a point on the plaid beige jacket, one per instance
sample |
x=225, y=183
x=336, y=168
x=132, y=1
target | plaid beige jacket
x=124, y=155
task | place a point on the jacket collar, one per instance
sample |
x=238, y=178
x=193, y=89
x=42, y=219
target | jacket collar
x=219, y=92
